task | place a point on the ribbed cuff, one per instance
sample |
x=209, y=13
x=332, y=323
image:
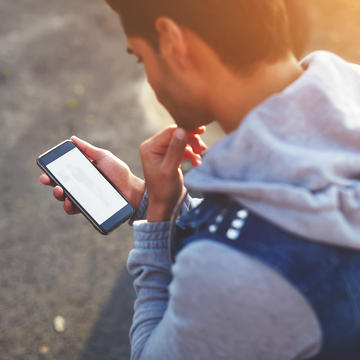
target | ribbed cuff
x=151, y=235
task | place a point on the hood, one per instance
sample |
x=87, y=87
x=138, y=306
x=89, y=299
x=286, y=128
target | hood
x=295, y=159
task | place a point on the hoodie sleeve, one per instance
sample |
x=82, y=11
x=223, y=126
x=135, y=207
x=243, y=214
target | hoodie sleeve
x=149, y=263
x=214, y=303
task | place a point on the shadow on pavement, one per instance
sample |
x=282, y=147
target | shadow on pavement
x=109, y=336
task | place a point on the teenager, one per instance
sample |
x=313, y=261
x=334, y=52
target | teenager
x=266, y=266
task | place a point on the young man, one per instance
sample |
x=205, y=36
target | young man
x=265, y=267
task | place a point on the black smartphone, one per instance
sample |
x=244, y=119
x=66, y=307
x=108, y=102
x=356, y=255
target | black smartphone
x=85, y=185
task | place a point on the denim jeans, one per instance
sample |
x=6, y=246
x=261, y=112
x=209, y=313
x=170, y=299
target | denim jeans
x=327, y=276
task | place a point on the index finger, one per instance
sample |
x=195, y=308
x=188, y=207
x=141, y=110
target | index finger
x=91, y=151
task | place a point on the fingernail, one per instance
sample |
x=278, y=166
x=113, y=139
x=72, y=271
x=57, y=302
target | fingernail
x=180, y=134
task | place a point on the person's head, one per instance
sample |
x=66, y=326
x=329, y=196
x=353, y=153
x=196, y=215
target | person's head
x=168, y=35
x=241, y=32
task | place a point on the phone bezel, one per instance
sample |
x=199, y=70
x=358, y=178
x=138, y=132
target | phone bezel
x=110, y=224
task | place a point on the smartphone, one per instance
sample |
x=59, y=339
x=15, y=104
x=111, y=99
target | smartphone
x=96, y=197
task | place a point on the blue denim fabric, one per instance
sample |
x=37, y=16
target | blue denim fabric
x=328, y=276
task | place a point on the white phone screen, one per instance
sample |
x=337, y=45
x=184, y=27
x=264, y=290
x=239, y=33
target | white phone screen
x=84, y=182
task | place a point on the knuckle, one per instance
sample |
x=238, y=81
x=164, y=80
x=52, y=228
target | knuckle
x=144, y=147
x=107, y=153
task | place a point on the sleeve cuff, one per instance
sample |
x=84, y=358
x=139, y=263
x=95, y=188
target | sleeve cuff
x=151, y=235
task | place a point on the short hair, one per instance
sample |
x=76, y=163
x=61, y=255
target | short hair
x=242, y=32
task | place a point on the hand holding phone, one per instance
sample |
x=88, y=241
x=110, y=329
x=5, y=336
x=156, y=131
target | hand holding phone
x=113, y=168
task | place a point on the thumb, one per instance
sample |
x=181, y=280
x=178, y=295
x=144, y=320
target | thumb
x=175, y=150
x=89, y=150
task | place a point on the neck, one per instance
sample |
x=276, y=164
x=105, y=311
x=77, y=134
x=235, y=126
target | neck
x=233, y=96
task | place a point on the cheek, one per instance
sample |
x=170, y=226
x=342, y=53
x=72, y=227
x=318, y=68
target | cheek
x=159, y=78
x=158, y=91
x=158, y=87
x=154, y=83
x=153, y=73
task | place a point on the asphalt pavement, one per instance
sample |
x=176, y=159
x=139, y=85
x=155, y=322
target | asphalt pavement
x=63, y=71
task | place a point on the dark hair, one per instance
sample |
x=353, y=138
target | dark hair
x=242, y=32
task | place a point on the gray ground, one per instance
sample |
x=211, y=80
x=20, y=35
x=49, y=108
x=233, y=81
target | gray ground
x=64, y=71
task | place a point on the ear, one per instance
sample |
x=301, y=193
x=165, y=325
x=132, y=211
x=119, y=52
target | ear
x=172, y=41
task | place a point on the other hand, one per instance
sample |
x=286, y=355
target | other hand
x=161, y=157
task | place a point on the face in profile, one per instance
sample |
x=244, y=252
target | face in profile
x=183, y=102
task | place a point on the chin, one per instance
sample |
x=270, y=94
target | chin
x=193, y=122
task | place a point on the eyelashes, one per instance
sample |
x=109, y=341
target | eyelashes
x=139, y=59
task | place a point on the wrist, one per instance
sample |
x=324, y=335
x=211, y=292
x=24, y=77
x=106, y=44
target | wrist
x=137, y=191
x=159, y=212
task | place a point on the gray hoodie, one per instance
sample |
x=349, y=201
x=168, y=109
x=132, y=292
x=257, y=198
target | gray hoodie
x=294, y=160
